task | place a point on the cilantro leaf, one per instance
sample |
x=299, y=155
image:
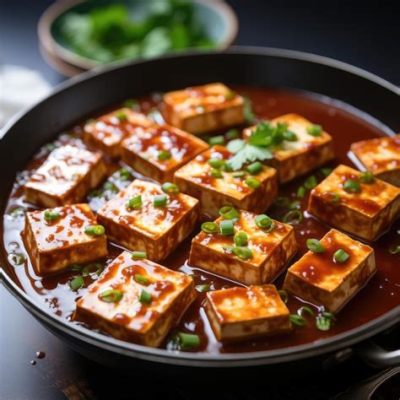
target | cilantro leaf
x=235, y=145
x=249, y=153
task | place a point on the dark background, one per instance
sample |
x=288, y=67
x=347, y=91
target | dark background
x=365, y=34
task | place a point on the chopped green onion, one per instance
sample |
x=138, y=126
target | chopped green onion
x=203, y=288
x=301, y=192
x=295, y=205
x=297, y=319
x=290, y=136
x=164, y=155
x=293, y=217
x=95, y=268
x=216, y=173
x=335, y=198
x=130, y=103
x=254, y=168
x=142, y=279
x=17, y=258
x=110, y=187
x=239, y=174
x=324, y=321
x=242, y=252
x=76, y=283
x=227, y=227
x=305, y=310
x=352, y=186
x=284, y=295
x=170, y=188
x=134, y=202
x=310, y=182
x=367, y=177
x=216, y=163
x=241, y=239
x=124, y=174
x=17, y=212
x=228, y=212
x=111, y=295
x=160, y=200
x=252, y=183
x=145, y=297
x=138, y=255
x=95, y=230
x=232, y=134
x=315, y=246
x=248, y=110
x=264, y=222
x=227, y=167
x=326, y=171
x=394, y=249
x=188, y=341
x=314, y=130
x=122, y=117
x=340, y=256
x=51, y=215
x=215, y=140
x=209, y=227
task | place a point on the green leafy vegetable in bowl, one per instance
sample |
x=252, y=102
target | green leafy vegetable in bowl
x=115, y=32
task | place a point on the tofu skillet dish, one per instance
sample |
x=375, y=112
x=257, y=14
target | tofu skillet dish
x=212, y=219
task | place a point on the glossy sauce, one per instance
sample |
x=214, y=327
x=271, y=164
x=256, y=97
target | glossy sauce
x=380, y=295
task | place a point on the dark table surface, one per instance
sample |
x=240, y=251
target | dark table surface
x=366, y=35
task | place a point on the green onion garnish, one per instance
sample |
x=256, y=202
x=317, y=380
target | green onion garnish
x=335, y=198
x=296, y=319
x=310, y=182
x=232, y=134
x=209, y=227
x=352, y=186
x=130, y=103
x=324, y=321
x=290, y=136
x=76, y=283
x=340, y=256
x=138, y=255
x=134, y=202
x=95, y=268
x=216, y=163
x=216, y=173
x=142, y=279
x=241, y=239
x=367, y=177
x=242, y=252
x=254, y=168
x=124, y=174
x=110, y=187
x=394, y=249
x=188, y=341
x=51, y=215
x=228, y=212
x=203, y=288
x=121, y=116
x=227, y=227
x=160, y=200
x=293, y=217
x=301, y=192
x=145, y=297
x=239, y=174
x=95, y=230
x=164, y=155
x=305, y=310
x=17, y=258
x=315, y=246
x=248, y=110
x=252, y=183
x=111, y=295
x=314, y=130
x=227, y=167
x=264, y=222
x=284, y=295
x=215, y=140
x=170, y=188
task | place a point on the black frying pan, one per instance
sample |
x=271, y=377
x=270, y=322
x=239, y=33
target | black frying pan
x=79, y=97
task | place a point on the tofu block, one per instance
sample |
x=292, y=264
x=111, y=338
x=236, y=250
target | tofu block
x=271, y=251
x=366, y=214
x=242, y=313
x=195, y=178
x=297, y=158
x=55, y=245
x=156, y=230
x=202, y=109
x=128, y=318
x=65, y=177
x=381, y=156
x=108, y=131
x=158, y=151
x=317, y=278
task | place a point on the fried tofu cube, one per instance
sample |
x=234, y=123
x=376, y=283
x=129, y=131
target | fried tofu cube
x=65, y=177
x=108, y=131
x=344, y=201
x=241, y=313
x=156, y=229
x=298, y=157
x=56, y=238
x=217, y=188
x=202, y=109
x=318, y=278
x=136, y=300
x=270, y=251
x=381, y=156
x=158, y=151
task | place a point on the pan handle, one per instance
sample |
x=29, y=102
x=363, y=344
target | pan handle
x=377, y=357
